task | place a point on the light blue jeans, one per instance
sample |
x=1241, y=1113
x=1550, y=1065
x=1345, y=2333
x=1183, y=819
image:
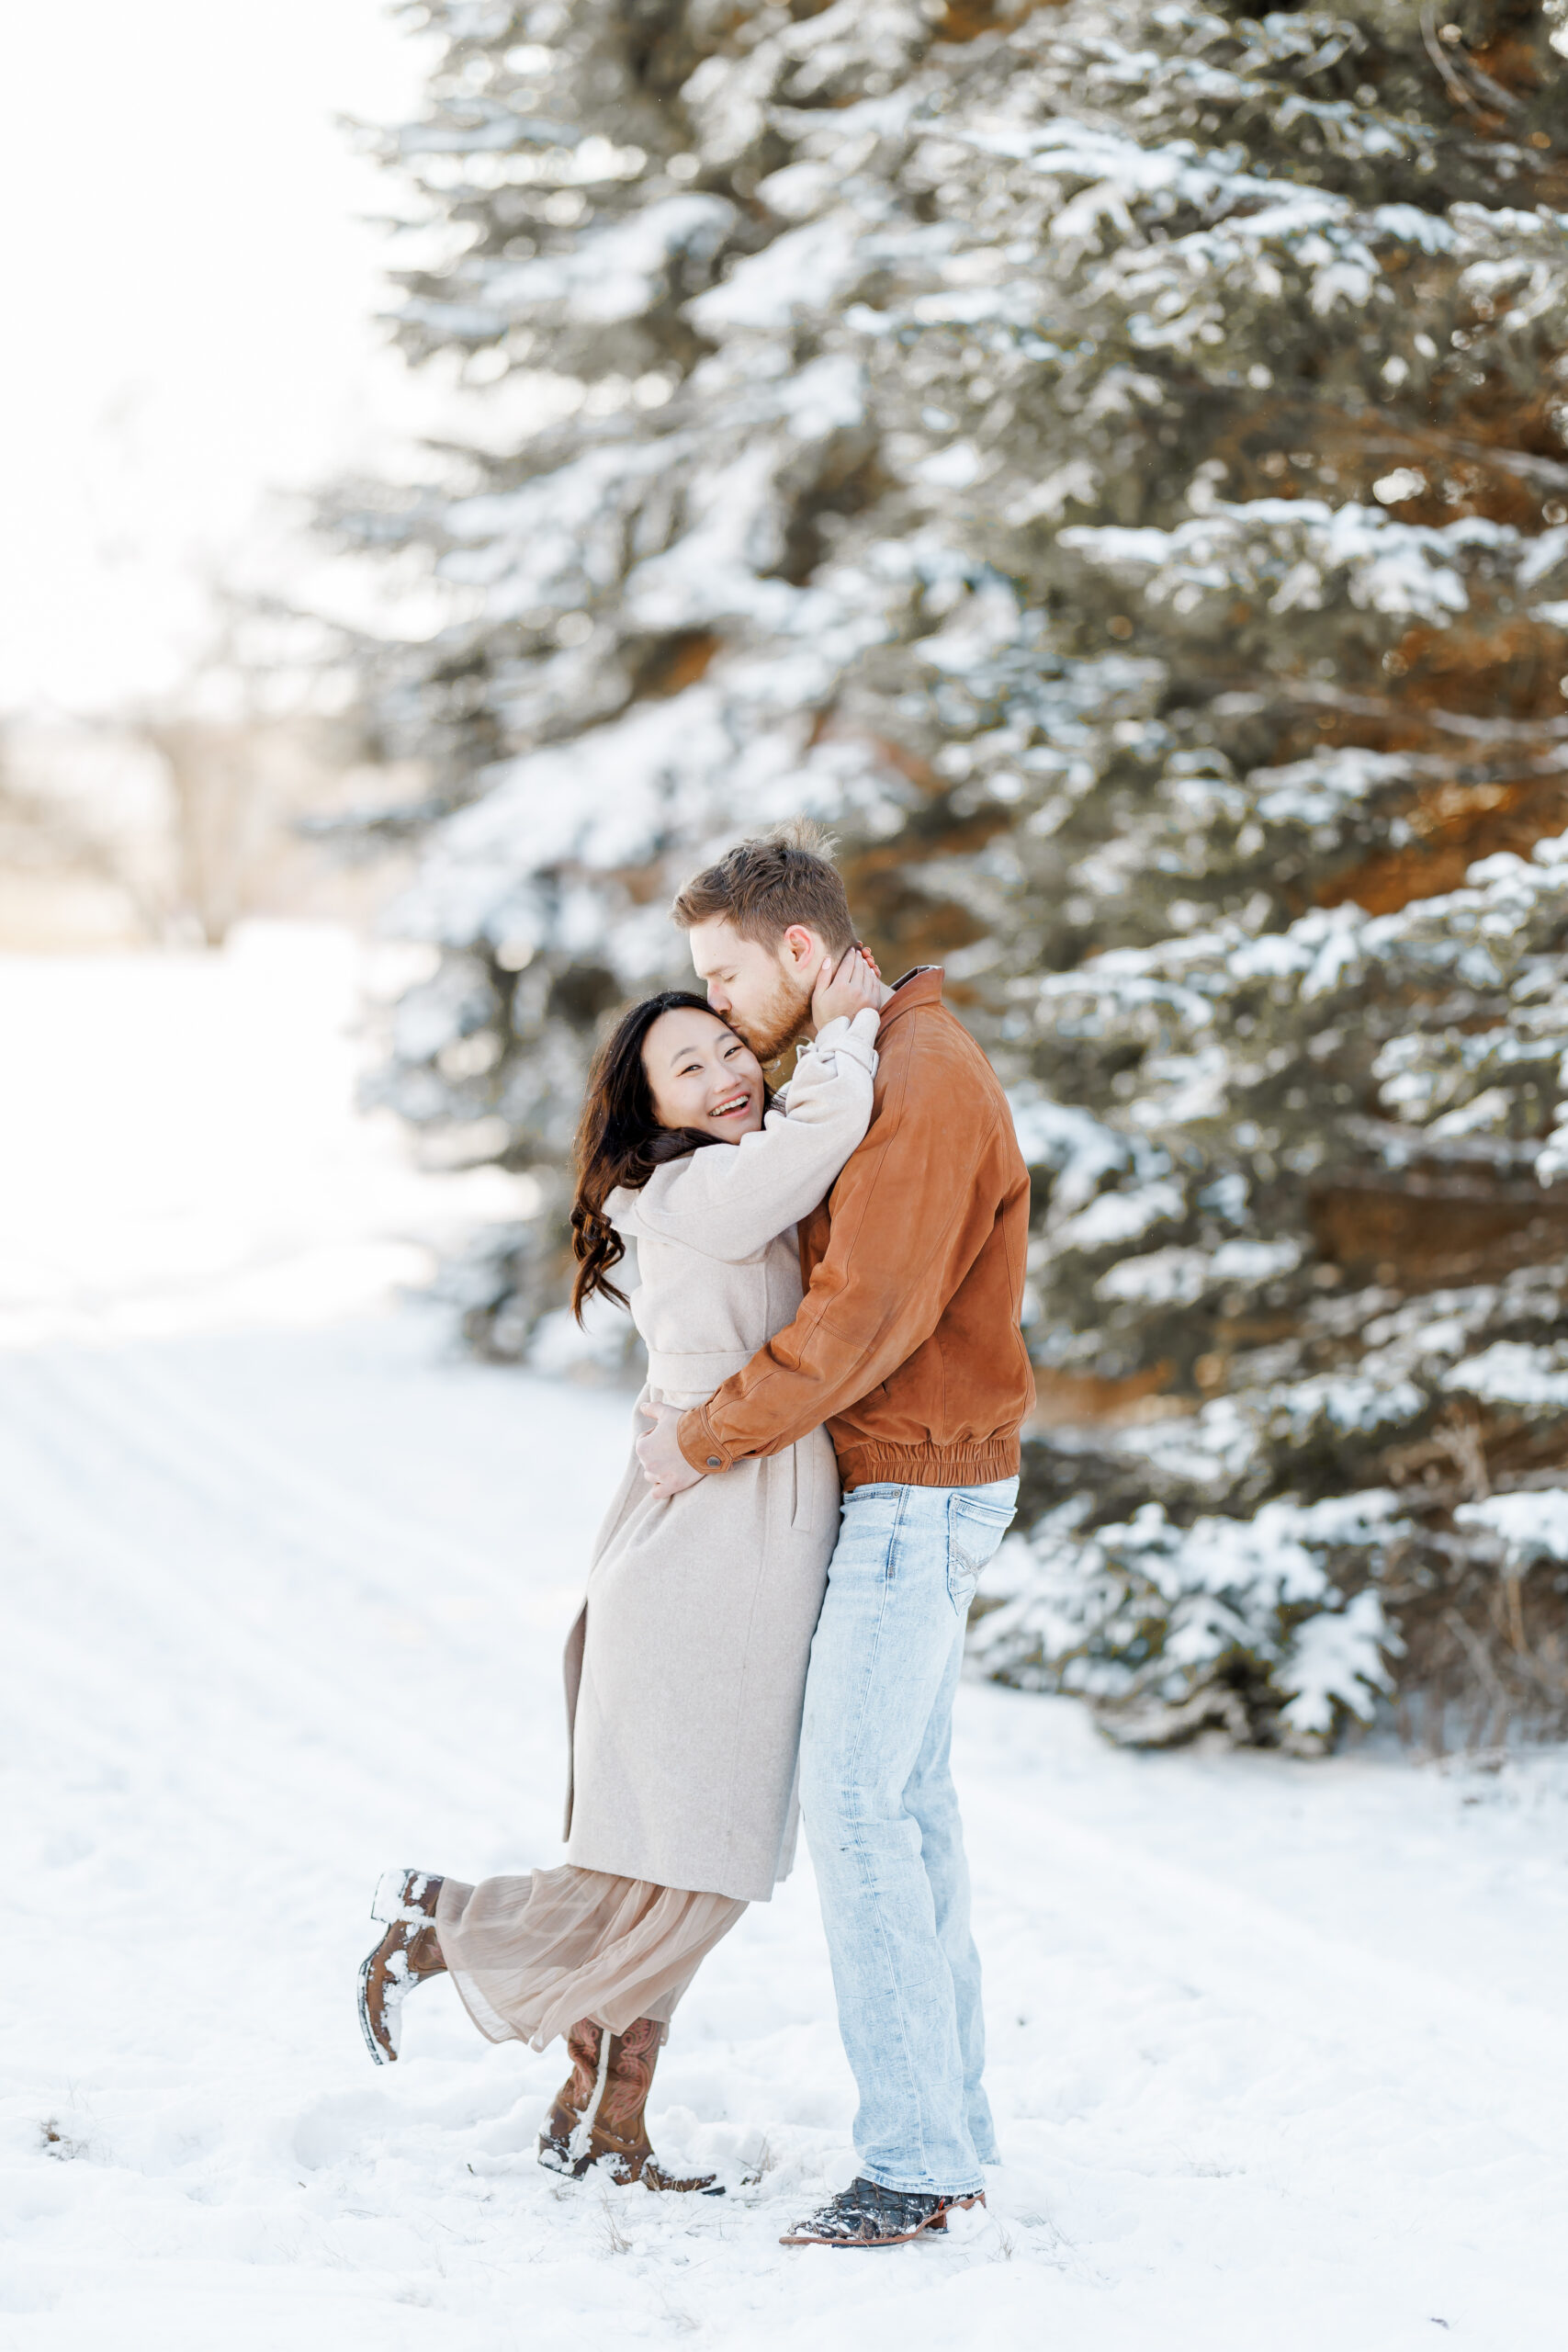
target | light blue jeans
x=881, y=1815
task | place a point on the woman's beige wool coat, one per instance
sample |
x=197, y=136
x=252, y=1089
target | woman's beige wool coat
x=686, y=1668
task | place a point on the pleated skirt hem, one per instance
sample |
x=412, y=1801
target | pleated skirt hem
x=530, y=1956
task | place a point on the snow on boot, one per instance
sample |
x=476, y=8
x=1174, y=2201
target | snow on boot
x=865, y=2215
x=563, y=2143
x=407, y=1955
x=619, y=2128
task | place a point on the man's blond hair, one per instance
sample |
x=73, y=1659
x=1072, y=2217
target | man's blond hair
x=764, y=886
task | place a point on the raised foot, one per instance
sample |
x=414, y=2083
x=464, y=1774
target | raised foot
x=866, y=2215
x=407, y=1955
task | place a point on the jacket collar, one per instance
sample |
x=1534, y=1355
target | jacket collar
x=920, y=985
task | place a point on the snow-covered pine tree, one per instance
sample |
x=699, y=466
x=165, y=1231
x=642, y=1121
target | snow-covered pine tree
x=647, y=637
x=1112, y=458
x=1319, y=1200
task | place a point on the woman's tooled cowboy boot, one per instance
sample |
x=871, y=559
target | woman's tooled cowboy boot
x=407, y=1954
x=575, y=2095
x=619, y=2130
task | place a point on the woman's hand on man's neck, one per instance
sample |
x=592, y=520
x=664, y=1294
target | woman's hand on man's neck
x=844, y=987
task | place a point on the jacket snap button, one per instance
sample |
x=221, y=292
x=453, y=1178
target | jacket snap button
x=715, y=1463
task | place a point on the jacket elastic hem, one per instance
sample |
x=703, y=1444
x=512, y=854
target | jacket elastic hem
x=928, y=1465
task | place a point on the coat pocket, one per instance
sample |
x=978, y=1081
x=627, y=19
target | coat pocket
x=805, y=1475
x=572, y=1675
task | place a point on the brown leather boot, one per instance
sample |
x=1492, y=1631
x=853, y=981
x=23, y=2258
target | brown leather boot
x=619, y=2130
x=407, y=1954
x=572, y=2101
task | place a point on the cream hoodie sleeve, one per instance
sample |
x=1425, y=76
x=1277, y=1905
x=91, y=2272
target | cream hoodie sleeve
x=729, y=1201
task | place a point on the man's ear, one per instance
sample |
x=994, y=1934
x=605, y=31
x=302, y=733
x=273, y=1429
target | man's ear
x=801, y=948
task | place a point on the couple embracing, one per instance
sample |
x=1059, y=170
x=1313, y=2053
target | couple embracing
x=830, y=1283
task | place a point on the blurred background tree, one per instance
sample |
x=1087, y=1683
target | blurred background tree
x=1113, y=461
x=167, y=820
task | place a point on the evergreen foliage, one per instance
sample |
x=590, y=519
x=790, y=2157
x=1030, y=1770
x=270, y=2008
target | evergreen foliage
x=1111, y=459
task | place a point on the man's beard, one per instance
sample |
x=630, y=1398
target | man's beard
x=779, y=1023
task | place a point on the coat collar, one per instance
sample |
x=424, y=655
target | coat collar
x=920, y=985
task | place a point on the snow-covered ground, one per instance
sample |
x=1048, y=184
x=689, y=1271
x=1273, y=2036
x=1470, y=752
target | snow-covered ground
x=1279, y=2056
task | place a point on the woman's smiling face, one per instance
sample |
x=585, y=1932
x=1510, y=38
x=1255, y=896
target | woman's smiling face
x=702, y=1076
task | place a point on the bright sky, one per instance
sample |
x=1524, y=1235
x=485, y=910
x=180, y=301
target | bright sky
x=190, y=286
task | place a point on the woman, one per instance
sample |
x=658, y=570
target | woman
x=686, y=1666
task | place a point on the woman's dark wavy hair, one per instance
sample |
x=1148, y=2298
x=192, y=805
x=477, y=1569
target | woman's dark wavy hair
x=620, y=1141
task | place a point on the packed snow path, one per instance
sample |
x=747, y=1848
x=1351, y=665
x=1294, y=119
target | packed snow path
x=1279, y=2049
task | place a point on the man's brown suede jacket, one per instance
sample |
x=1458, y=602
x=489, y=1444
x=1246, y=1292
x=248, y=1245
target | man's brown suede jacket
x=907, y=1343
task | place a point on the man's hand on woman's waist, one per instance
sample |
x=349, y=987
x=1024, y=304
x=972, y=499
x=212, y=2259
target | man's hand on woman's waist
x=664, y=1465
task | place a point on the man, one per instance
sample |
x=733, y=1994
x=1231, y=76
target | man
x=907, y=1345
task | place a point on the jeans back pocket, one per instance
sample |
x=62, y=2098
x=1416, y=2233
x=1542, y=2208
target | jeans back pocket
x=976, y=1525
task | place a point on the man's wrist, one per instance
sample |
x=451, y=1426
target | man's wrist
x=698, y=1442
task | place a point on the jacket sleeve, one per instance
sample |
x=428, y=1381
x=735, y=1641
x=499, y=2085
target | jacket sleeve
x=911, y=1212
x=730, y=1201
